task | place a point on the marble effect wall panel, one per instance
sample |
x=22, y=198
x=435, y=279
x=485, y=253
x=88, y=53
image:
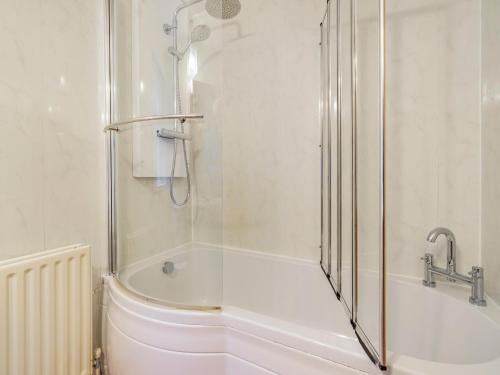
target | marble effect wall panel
x=52, y=112
x=491, y=147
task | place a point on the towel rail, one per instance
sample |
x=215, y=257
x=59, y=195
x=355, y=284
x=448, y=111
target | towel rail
x=116, y=125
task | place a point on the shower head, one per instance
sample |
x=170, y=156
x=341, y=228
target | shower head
x=200, y=33
x=223, y=9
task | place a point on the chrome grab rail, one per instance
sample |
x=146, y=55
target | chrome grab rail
x=180, y=117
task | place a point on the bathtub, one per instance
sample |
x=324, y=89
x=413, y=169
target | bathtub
x=271, y=314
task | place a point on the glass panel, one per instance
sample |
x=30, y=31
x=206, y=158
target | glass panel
x=162, y=220
x=346, y=128
x=442, y=135
x=334, y=154
x=325, y=161
x=329, y=105
x=368, y=169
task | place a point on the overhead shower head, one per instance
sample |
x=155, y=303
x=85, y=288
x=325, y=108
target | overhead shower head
x=223, y=9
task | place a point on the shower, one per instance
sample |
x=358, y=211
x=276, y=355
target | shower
x=224, y=9
x=220, y=9
x=199, y=34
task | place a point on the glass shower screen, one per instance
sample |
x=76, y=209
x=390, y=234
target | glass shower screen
x=166, y=171
x=353, y=164
x=369, y=176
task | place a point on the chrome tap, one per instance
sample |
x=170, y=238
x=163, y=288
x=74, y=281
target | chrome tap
x=476, y=281
x=450, y=247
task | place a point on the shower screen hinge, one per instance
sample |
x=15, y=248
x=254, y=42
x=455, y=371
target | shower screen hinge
x=97, y=362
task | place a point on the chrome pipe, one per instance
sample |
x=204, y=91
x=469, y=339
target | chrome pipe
x=168, y=28
x=445, y=273
x=112, y=229
x=383, y=176
x=175, y=67
x=339, y=151
x=178, y=117
x=354, y=151
x=111, y=146
x=184, y=6
x=178, y=110
x=322, y=122
x=329, y=136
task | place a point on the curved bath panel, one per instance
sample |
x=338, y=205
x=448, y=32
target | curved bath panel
x=157, y=361
x=211, y=346
x=272, y=324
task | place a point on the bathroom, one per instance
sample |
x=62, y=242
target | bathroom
x=250, y=187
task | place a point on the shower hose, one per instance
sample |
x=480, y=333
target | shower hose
x=184, y=147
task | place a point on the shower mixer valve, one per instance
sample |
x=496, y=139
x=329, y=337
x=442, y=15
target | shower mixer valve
x=475, y=281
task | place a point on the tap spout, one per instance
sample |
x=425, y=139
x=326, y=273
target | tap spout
x=450, y=247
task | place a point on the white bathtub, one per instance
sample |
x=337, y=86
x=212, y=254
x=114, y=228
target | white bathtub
x=279, y=315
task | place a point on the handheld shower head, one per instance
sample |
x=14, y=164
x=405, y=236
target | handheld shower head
x=223, y=9
x=198, y=34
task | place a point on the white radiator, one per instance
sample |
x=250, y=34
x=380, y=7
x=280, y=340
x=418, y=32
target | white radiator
x=45, y=313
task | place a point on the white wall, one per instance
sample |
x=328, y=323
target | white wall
x=52, y=112
x=271, y=129
x=261, y=68
x=255, y=158
x=434, y=122
x=265, y=64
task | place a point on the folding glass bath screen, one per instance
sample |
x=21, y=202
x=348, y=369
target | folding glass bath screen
x=353, y=168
